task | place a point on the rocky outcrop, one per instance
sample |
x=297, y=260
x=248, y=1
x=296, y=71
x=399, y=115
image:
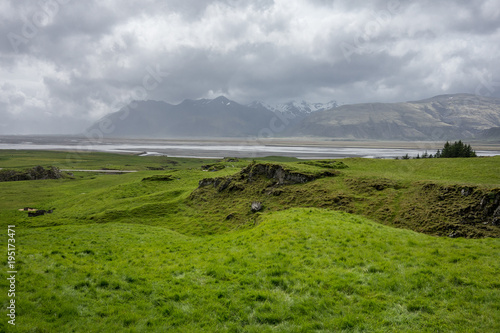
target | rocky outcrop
x=158, y=178
x=453, y=210
x=486, y=210
x=35, y=173
x=436, y=209
x=259, y=171
x=276, y=172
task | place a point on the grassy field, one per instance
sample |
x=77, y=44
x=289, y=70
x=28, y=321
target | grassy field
x=120, y=254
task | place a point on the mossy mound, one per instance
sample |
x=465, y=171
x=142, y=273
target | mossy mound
x=330, y=164
x=454, y=211
x=35, y=173
x=441, y=210
x=158, y=178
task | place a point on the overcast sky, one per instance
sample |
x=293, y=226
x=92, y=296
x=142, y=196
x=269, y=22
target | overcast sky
x=67, y=63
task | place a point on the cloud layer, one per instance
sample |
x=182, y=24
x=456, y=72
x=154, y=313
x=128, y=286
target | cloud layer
x=66, y=63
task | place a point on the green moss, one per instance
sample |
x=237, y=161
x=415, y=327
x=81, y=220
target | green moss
x=329, y=164
x=298, y=270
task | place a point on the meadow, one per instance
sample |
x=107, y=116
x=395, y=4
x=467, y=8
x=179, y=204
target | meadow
x=141, y=253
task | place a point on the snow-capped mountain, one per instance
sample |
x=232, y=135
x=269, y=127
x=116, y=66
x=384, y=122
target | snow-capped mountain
x=295, y=109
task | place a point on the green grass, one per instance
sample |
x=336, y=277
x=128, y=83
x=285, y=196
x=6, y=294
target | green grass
x=297, y=271
x=21, y=159
x=120, y=254
x=473, y=171
x=484, y=171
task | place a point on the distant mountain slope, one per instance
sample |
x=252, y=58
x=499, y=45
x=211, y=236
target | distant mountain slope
x=442, y=117
x=445, y=117
x=219, y=117
x=295, y=109
x=492, y=134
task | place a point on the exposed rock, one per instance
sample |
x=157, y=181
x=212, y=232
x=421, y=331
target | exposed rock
x=276, y=172
x=256, y=171
x=280, y=174
x=39, y=212
x=158, y=178
x=155, y=168
x=213, y=167
x=466, y=191
x=471, y=212
x=364, y=185
x=272, y=191
x=36, y=173
x=256, y=206
x=431, y=208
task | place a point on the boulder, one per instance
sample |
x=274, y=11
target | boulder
x=256, y=206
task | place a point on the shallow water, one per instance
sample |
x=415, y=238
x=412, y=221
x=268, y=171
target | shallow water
x=220, y=150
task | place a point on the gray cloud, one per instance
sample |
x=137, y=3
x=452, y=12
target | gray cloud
x=66, y=63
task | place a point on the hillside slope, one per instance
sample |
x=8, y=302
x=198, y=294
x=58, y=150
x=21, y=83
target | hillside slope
x=301, y=270
x=444, y=117
x=149, y=252
x=219, y=117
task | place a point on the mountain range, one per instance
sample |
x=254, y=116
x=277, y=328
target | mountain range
x=295, y=109
x=444, y=117
x=219, y=117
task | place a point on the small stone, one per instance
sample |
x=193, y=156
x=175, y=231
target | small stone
x=256, y=206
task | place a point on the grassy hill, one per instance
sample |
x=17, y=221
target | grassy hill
x=130, y=254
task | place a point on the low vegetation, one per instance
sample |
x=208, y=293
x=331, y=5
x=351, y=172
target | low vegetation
x=169, y=250
x=35, y=173
x=450, y=150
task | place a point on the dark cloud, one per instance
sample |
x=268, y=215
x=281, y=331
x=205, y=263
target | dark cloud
x=66, y=63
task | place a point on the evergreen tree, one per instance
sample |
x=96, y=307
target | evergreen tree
x=457, y=149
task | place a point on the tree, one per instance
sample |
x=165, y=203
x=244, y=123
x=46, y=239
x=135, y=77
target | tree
x=457, y=149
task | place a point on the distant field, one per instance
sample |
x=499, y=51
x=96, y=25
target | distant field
x=139, y=253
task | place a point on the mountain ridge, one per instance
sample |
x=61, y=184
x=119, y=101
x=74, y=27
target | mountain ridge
x=442, y=117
